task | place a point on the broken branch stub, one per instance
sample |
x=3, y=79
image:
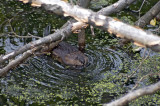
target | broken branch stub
x=146, y=39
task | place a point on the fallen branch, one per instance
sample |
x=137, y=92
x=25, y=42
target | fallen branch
x=100, y=21
x=29, y=49
x=145, y=19
x=134, y=95
x=27, y=54
x=58, y=35
x=139, y=36
x=116, y=7
x=47, y=39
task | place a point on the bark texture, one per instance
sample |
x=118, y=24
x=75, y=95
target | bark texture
x=139, y=36
x=153, y=12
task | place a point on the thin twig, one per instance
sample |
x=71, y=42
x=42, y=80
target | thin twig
x=150, y=74
x=139, y=10
x=123, y=101
x=13, y=32
x=138, y=66
x=16, y=35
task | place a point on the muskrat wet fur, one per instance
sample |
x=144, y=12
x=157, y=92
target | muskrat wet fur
x=69, y=55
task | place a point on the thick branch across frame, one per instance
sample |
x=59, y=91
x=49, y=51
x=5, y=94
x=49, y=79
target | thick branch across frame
x=100, y=21
x=139, y=36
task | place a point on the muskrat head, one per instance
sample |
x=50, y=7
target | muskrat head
x=69, y=55
x=76, y=59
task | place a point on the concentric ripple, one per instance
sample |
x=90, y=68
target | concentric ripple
x=42, y=76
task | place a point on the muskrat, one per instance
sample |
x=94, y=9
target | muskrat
x=69, y=55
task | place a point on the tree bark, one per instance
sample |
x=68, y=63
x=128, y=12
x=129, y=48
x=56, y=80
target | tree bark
x=81, y=40
x=27, y=50
x=139, y=36
x=116, y=7
x=26, y=55
x=58, y=35
x=153, y=12
x=158, y=16
x=81, y=34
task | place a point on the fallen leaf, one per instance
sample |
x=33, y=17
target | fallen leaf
x=153, y=22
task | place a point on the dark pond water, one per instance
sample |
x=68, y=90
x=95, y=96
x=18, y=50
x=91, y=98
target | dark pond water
x=43, y=81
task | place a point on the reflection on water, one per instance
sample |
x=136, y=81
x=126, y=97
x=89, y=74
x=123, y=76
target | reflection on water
x=44, y=81
x=10, y=44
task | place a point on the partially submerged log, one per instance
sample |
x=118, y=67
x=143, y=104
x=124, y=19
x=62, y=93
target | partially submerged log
x=69, y=55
